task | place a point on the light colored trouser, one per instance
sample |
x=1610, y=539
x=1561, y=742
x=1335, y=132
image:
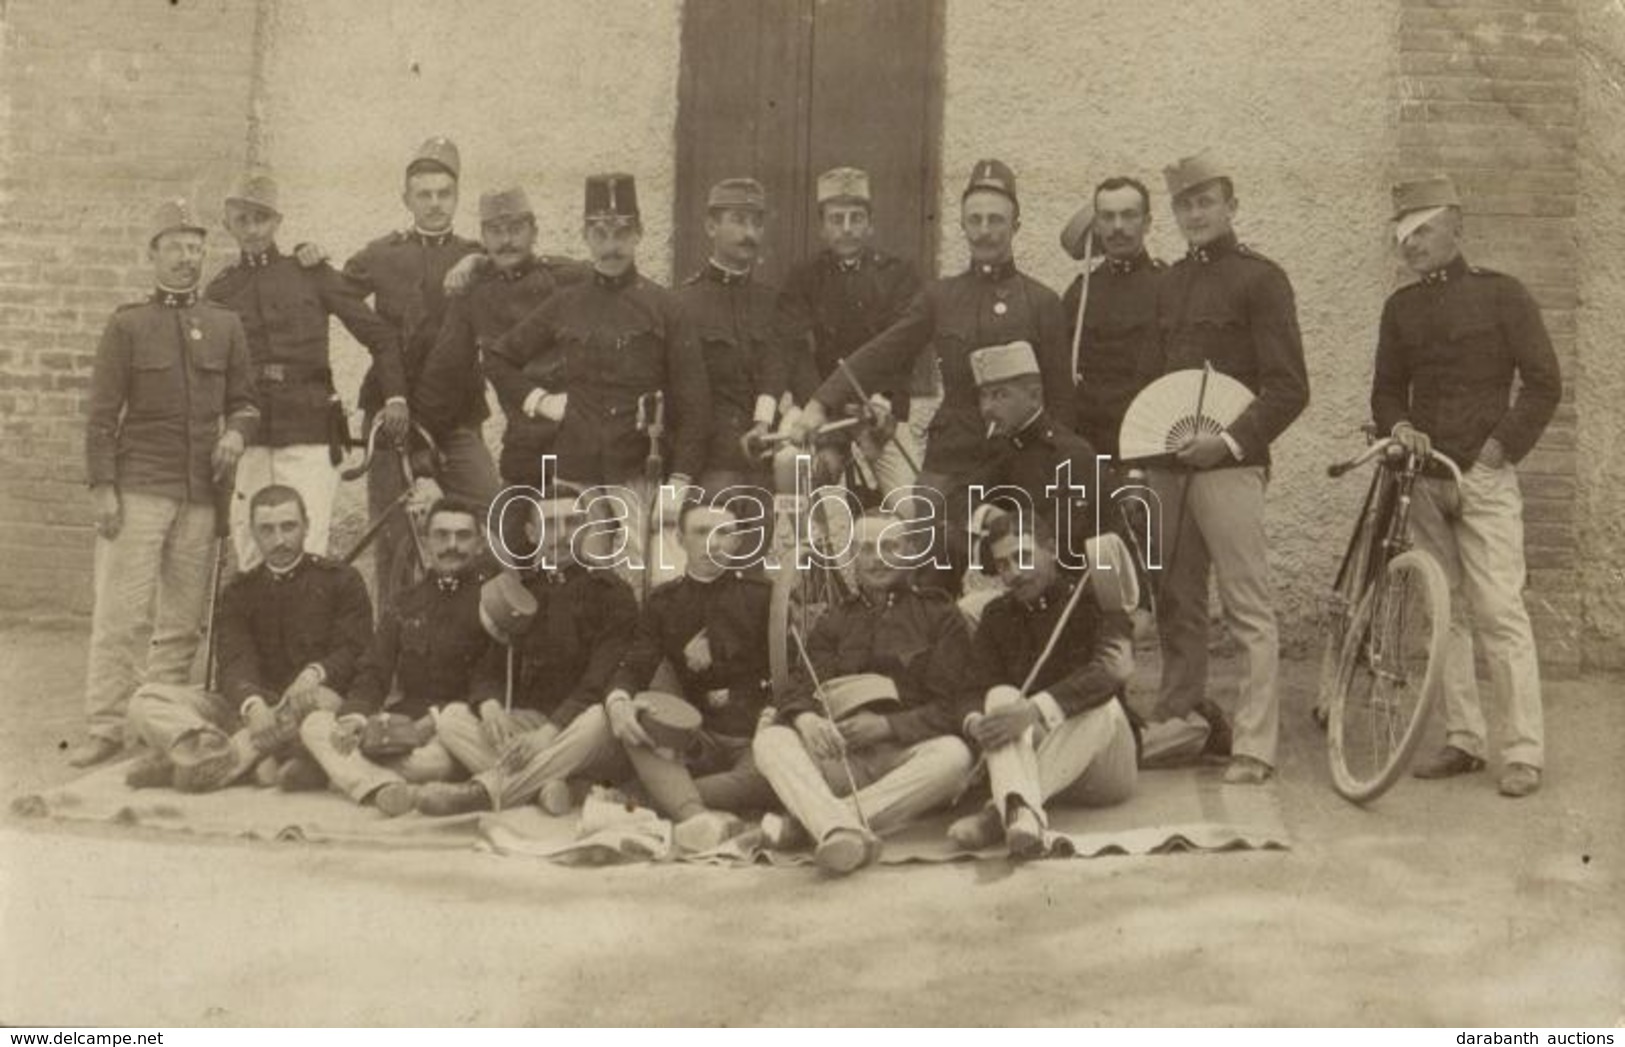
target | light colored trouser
x=721, y=775
x=1087, y=760
x=896, y=784
x=1174, y=742
x=467, y=472
x=1477, y=537
x=584, y=747
x=358, y=777
x=152, y=585
x=1223, y=527
x=304, y=467
x=187, y=723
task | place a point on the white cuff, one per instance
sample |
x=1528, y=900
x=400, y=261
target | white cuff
x=533, y=401
x=253, y=699
x=321, y=673
x=395, y=400
x=979, y=517
x=1235, y=448
x=766, y=408
x=616, y=695
x=1049, y=710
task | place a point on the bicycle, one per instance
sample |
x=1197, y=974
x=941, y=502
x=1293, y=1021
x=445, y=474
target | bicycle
x=407, y=562
x=1386, y=622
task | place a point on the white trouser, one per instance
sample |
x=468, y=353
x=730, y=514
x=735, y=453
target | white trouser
x=584, y=747
x=1088, y=760
x=358, y=777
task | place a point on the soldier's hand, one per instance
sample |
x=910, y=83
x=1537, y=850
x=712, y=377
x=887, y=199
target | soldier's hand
x=753, y=444
x=108, y=514
x=807, y=423
x=1413, y=440
x=999, y=728
x=1492, y=455
x=395, y=420
x=863, y=729
x=820, y=736
x=347, y=734
x=262, y=725
x=495, y=723
x=427, y=729
x=527, y=746
x=1204, y=452
x=425, y=492
x=309, y=256
x=623, y=720
x=697, y=652
x=460, y=276
x=552, y=406
x=227, y=450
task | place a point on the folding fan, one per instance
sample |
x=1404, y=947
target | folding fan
x=1176, y=407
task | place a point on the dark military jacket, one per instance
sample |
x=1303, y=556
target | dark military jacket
x=285, y=308
x=915, y=637
x=270, y=626
x=427, y=651
x=606, y=342
x=732, y=609
x=565, y=659
x=1088, y=664
x=1021, y=470
x=742, y=336
x=1227, y=305
x=1119, y=335
x=842, y=305
x=987, y=305
x=1447, y=353
x=405, y=272
x=167, y=372
x=450, y=391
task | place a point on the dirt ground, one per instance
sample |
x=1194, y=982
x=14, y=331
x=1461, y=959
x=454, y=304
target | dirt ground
x=1444, y=904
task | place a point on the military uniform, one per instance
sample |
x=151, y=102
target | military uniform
x=917, y=639
x=1029, y=471
x=1119, y=336
x=1225, y=305
x=271, y=625
x=563, y=663
x=426, y=653
x=1448, y=351
x=169, y=371
x=731, y=692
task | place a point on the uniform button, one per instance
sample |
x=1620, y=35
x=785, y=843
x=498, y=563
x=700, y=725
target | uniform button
x=999, y=308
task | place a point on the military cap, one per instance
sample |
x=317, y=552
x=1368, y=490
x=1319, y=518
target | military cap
x=1075, y=235
x=437, y=152
x=999, y=363
x=737, y=194
x=994, y=175
x=845, y=184
x=611, y=196
x=506, y=606
x=1189, y=172
x=1420, y=194
x=505, y=203
x=256, y=188
x=171, y=215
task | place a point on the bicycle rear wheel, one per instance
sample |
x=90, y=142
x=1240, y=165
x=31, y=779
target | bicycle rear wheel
x=1392, y=667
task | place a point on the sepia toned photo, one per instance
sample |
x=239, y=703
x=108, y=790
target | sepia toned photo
x=802, y=513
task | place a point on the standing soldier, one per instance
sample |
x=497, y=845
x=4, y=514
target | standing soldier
x=842, y=297
x=622, y=353
x=284, y=308
x=451, y=389
x=1450, y=347
x=405, y=273
x=1227, y=306
x=1120, y=315
x=171, y=409
x=741, y=334
x=988, y=304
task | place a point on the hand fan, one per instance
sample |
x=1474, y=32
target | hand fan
x=1176, y=407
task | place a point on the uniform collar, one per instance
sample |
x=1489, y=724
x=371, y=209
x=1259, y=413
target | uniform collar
x=451, y=583
x=287, y=573
x=428, y=239
x=994, y=272
x=1037, y=428
x=1055, y=596
x=173, y=299
x=260, y=259
x=517, y=272
x=555, y=575
x=718, y=273
x=1454, y=269
x=616, y=283
x=1125, y=266
x=1207, y=252
x=847, y=265
x=888, y=599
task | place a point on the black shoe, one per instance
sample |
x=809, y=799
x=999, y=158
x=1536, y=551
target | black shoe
x=1219, y=735
x=442, y=799
x=1447, y=763
x=300, y=773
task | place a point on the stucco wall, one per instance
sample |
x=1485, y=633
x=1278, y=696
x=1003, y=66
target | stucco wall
x=1302, y=108
x=1600, y=383
x=535, y=93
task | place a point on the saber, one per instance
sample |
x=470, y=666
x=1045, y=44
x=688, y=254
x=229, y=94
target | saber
x=1083, y=301
x=857, y=387
x=1055, y=633
x=818, y=690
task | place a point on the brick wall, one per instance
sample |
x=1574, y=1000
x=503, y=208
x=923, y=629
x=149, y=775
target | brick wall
x=1489, y=92
x=109, y=106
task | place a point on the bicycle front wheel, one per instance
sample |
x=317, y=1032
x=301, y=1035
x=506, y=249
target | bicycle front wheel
x=1392, y=669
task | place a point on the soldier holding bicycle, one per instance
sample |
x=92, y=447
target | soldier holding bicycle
x=1448, y=350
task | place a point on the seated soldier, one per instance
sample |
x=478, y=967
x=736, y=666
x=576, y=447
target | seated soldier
x=563, y=658
x=425, y=655
x=711, y=627
x=902, y=763
x=1067, y=734
x=289, y=634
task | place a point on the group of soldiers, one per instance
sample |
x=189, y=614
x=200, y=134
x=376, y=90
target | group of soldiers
x=483, y=687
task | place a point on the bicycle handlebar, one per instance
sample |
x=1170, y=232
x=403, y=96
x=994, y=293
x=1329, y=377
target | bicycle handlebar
x=1337, y=469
